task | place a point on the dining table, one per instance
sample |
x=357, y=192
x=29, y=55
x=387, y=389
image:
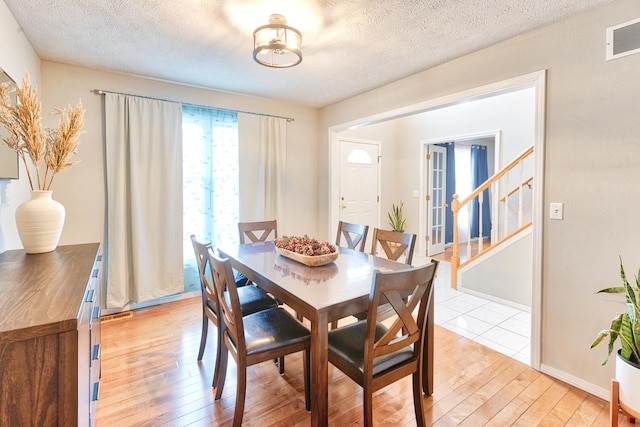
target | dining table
x=322, y=294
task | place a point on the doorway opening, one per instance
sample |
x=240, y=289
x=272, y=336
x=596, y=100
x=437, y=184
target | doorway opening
x=536, y=81
x=436, y=216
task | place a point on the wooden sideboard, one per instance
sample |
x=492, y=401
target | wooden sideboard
x=50, y=336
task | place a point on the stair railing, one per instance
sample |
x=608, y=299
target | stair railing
x=500, y=205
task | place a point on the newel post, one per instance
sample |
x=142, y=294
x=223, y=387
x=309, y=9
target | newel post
x=455, y=259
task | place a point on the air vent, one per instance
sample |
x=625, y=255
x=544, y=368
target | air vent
x=623, y=39
x=116, y=316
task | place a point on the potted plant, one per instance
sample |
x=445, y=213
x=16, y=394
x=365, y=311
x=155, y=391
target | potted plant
x=39, y=220
x=626, y=326
x=396, y=217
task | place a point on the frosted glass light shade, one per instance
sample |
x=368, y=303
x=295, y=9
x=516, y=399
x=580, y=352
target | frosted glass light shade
x=276, y=44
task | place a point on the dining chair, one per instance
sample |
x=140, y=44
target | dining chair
x=356, y=237
x=394, y=244
x=254, y=338
x=354, y=234
x=257, y=231
x=374, y=355
x=252, y=299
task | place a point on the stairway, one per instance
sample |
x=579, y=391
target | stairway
x=511, y=201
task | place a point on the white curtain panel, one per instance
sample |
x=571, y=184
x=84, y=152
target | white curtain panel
x=144, y=199
x=263, y=160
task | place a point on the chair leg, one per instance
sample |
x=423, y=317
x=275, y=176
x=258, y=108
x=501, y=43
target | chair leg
x=203, y=336
x=418, y=403
x=281, y=365
x=241, y=393
x=367, y=405
x=217, y=368
x=307, y=379
x=224, y=356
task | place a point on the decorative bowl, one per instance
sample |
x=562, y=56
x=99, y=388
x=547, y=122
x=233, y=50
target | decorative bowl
x=310, y=261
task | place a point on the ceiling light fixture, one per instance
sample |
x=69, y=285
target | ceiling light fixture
x=276, y=44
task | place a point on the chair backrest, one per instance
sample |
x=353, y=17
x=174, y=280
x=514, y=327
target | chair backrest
x=201, y=251
x=394, y=244
x=229, y=305
x=354, y=234
x=404, y=290
x=257, y=231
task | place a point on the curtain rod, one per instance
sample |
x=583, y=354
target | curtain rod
x=102, y=92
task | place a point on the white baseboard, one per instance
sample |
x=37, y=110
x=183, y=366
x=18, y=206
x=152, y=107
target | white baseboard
x=493, y=298
x=602, y=393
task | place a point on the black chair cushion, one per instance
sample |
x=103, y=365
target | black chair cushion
x=272, y=328
x=347, y=343
x=252, y=299
x=241, y=280
x=384, y=310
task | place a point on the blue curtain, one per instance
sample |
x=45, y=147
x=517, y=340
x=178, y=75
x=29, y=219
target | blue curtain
x=479, y=174
x=210, y=182
x=451, y=189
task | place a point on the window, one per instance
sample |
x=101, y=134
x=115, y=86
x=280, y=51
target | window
x=359, y=156
x=210, y=182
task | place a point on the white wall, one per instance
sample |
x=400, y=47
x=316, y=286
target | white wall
x=592, y=151
x=503, y=275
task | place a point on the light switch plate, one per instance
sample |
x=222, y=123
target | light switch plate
x=556, y=210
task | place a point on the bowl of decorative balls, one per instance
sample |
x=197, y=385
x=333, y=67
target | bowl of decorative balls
x=305, y=250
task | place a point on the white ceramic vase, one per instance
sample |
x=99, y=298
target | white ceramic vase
x=628, y=376
x=40, y=222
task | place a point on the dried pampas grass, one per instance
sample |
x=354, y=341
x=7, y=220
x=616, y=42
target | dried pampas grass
x=53, y=147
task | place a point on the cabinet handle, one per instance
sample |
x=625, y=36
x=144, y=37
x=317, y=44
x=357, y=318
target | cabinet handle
x=96, y=352
x=96, y=312
x=95, y=272
x=89, y=297
x=96, y=391
x=99, y=257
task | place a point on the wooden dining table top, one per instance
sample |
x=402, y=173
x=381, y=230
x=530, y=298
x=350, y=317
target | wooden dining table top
x=321, y=288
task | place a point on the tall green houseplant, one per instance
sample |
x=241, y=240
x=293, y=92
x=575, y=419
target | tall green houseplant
x=625, y=325
x=396, y=217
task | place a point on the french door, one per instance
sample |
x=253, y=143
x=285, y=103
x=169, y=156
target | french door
x=436, y=198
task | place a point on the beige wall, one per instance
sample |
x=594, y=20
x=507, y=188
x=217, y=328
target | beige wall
x=16, y=57
x=81, y=188
x=16, y=53
x=592, y=166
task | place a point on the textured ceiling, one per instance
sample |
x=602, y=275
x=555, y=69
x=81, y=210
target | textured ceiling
x=348, y=46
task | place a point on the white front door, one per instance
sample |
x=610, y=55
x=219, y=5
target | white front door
x=436, y=198
x=359, y=182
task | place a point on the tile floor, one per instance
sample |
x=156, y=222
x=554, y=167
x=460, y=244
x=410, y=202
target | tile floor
x=497, y=326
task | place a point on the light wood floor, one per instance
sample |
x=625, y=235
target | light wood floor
x=150, y=377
